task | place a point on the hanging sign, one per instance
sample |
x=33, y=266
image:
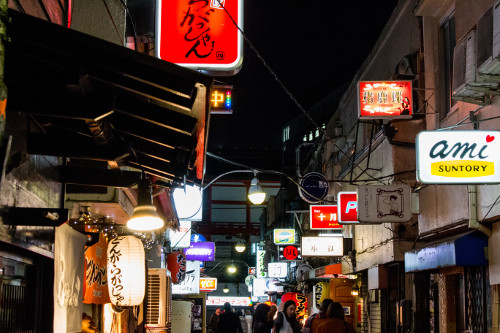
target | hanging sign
x=200, y=34
x=385, y=99
x=324, y=217
x=313, y=187
x=347, y=207
x=191, y=284
x=208, y=284
x=261, y=266
x=277, y=269
x=201, y=251
x=284, y=236
x=458, y=157
x=384, y=203
x=323, y=246
x=176, y=264
x=289, y=252
x=126, y=271
x=182, y=238
x=95, y=288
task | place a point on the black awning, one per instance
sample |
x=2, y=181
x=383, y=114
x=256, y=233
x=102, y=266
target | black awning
x=87, y=98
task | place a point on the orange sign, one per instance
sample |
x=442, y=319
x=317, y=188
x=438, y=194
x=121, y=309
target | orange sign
x=208, y=284
x=200, y=34
x=385, y=99
x=95, y=288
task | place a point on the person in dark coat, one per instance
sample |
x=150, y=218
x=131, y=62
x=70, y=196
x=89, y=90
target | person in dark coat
x=261, y=324
x=214, y=319
x=229, y=322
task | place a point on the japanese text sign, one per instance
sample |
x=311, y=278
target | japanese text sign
x=385, y=99
x=221, y=100
x=322, y=246
x=191, y=283
x=260, y=264
x=234, y=301
x=347, y=207
x=289, y=252
x=324, y=217
x=199, y=34
x=284, y=236
x=208, y=284
x=277, y=269
x=458, y=157
x=384, y=203
x=201, y=251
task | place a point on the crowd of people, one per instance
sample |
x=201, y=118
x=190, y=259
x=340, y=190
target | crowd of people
x=268, y=319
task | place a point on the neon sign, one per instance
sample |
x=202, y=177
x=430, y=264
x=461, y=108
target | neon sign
x=221, y=100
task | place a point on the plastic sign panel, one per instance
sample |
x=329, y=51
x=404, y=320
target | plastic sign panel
x=313, y=187
x=323, y=246
x=221, y=100
x=182, y=238
x=262, y=286
x=277, y=269
x=201, y=251
x=234, y=301
x=324, y=217
x=208, y=284
x=284, y=236
x=289, y=252
x=384, y=203
x=458, y=157
x=191, y=283
x=200, y=34
x=347, y=206
x=385, y=99
x=260, y=265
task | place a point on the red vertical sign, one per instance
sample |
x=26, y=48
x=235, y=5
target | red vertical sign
x=347, y=203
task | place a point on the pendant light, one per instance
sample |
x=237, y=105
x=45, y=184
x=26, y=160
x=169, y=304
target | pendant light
x=145, y=217
x=256, y=194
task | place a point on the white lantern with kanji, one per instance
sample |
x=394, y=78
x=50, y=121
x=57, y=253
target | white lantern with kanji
x=126, y=271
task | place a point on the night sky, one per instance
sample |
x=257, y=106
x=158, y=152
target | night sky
x=313, y=47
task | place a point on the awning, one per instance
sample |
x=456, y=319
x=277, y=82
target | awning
x=467, y=249
x=85, y=98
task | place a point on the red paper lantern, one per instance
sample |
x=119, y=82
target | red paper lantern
x=176, y=264
x=300, y=301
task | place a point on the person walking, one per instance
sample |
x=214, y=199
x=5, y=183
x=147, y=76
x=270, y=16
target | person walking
x=286, y=321
x=261, y=323
x=229, y=322
x=249, y=320
x=312, y=323
x=214, y=319
x=336, y=321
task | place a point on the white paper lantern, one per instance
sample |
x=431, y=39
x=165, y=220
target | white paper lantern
x=126, y=271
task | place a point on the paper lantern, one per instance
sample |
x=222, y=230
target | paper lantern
x=176, y=264
x=321, y=292
x=300, y=301
x=126, y=271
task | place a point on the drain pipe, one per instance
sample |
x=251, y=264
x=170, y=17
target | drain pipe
x=473, y=222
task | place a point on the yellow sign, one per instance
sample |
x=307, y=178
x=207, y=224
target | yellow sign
x=462, y=168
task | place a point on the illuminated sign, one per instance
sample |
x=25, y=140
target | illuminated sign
x=458, y=157
x=262, y=286
x=252, y=271
x=323, y=246
x=277, y=269
x=201, y=251
x=384, y=203
x=234, y=301
x=182, y=238
x=284, y=236
x=385, y=99
x=191, y=283
x=221, y=100
x=200, y=34
x=347, y=207
x=324, y=217
x=289, y=252
x=208, y=284
x=261, y=266
x=313, y=187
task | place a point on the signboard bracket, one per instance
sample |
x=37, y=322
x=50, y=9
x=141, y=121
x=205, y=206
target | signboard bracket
x=296, y=217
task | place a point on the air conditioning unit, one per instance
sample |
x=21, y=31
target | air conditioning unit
x=159, y=299
x=464, y=68
x=488, y=44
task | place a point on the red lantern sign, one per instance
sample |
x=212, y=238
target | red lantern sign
x=300, y=301
x=176, y=264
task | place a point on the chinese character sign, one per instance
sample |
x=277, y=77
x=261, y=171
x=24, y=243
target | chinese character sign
x=323, y=246
x=385, y=99
x=221, y=100
x=324, y=217
x=289, y=252
x=199, y=34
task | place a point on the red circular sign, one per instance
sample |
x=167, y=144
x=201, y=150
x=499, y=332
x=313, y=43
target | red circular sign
x=290, y=252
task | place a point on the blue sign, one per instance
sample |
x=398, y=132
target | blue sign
x=316, y=186
x=195, y=238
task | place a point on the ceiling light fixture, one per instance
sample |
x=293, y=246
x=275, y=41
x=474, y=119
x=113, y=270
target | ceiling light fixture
x=231, y=268
x=145, y=217
x=240, y=246
x=256, y=194
x=226, y=289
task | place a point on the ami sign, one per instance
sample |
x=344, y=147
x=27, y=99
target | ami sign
x=200, y=34
x=324, y=217
x=384, y=99
x=347, y=206
x=458, y=157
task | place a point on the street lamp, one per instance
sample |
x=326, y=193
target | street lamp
x=256, y=194
x=226, y=289
x=231, y=268
x=240, y=246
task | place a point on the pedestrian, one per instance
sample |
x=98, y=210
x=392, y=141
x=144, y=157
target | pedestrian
x=261, y=323
x=271, y=315
x=336, y=321
x=214, y=319
x=312, y=323
x=249, y=320
x=286, y=321
x=229, y=322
